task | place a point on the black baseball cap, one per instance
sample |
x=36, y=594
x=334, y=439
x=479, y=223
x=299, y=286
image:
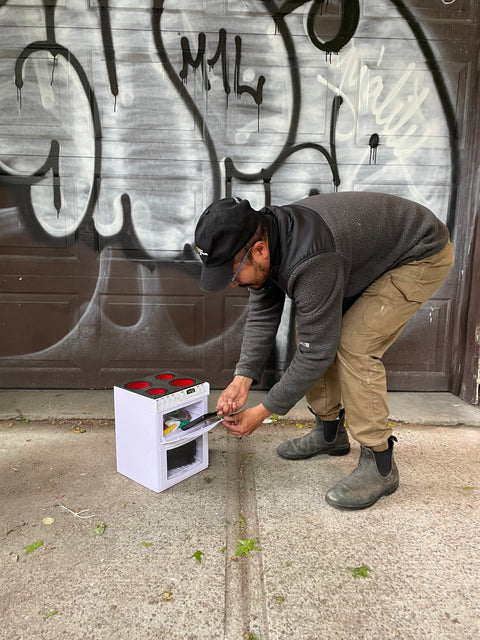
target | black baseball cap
x=223, y=229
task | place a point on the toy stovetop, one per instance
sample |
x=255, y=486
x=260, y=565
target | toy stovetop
x=161, y=384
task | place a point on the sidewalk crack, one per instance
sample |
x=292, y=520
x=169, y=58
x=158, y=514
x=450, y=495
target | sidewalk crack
x=245, y=602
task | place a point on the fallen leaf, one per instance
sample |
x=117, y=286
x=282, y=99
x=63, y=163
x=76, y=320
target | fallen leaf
x=245, y=546
x=273, y=419
x=360, y=572
x=197, y=555
x=147, y=544
x=300, y=426
x=78, y=430
x=48, y=520
x=31, y=547
x=47, y=615
x=99, y=528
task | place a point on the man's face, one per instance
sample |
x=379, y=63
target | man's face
x=254, y=272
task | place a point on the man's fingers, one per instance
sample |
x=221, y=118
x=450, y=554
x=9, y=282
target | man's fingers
x=226, y=408
x=230, y=421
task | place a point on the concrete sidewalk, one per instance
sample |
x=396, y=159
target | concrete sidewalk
x=141, y=578
x=440, y=409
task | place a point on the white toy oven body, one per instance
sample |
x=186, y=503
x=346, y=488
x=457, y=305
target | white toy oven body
x=142, y=448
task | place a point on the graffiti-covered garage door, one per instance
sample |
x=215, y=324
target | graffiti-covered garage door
x=121, y=120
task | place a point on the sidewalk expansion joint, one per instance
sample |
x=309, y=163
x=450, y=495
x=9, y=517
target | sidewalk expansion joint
x=245, y=602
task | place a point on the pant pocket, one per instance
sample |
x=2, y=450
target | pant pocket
x=412, y=290
x=389, y=309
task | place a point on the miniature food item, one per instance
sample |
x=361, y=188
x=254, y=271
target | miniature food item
x=174, y=420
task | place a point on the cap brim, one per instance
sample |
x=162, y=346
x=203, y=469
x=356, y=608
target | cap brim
x=216, y=278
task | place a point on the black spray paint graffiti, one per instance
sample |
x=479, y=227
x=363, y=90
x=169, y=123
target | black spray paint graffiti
x=373, y=144
x=108, y=48
x=346, y=32
x=24, y=183
x=348, y=25
x=199, y=61
x=86, y=229
x=446, y=101
x=290, y=147
x=349, y=18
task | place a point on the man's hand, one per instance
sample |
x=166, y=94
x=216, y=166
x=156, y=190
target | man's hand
x=245, y=422
x=234, y=396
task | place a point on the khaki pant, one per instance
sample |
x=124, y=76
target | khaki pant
x=371, y=325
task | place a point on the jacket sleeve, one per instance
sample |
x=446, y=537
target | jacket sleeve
x=317, y=288
x=264, y=315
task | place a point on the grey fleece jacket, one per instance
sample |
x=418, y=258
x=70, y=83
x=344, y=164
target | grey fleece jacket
x=325, y=250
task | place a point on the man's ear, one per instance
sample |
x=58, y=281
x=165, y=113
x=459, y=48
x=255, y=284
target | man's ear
x=261, y=250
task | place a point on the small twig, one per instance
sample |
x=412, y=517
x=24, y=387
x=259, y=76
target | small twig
x=76, y=514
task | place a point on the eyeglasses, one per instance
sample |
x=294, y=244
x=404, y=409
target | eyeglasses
x=234, y=277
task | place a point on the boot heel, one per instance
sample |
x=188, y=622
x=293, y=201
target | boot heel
x=391, y=489
x=339, y=452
